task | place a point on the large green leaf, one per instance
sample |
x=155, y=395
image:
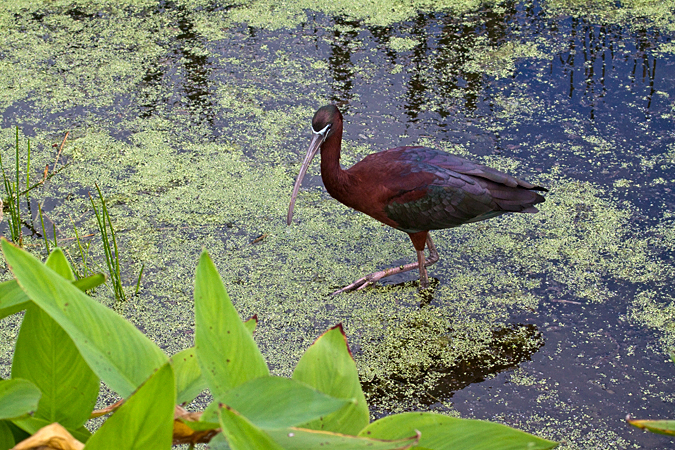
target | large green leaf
x=303, y=439
x=46, y=356
x=17, y=397
x=219, y=442
x=276, y=402
x=442, y=432
x=114, y=349
x=144, y=421
x=18, y=433
x=6, y=436
x=328, y=367
x=227, y=354
x=242, y=434
x=251, y=323
x=90, y=282
x=189, y=380
x=58, y=262
x=655, y=426
x=12, y=298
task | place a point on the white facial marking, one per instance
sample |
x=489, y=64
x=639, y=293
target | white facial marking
x=323, y=132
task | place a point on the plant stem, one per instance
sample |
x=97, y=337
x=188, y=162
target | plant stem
x=44, y=232
x=79, y=246
x=138, y=283
x=28, y=174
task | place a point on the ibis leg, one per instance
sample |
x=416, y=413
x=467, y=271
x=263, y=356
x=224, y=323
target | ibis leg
x=421, y=264
x=424, y=278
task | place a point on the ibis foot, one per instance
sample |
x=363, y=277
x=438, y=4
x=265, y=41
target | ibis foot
x=421, y=264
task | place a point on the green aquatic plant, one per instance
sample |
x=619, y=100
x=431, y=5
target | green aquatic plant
x=112, y=256
x=12, y=194
x=44, y=232
x=83, y=250
x=110, y=248
x=69, y=342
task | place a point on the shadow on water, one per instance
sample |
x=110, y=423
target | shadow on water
x=507, y=348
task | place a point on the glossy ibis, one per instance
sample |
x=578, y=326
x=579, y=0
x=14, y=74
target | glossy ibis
x=413, y=189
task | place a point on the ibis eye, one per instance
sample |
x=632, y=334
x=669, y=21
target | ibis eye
x=323, y=132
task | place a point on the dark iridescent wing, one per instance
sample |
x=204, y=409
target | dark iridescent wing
x=440, y=159
x=454, y=191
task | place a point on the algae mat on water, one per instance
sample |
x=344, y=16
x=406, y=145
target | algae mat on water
x=193, y=118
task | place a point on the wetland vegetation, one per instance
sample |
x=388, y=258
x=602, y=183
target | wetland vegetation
x=192, y=117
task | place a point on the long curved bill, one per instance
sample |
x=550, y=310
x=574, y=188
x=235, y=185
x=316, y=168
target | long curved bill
x=314, y=146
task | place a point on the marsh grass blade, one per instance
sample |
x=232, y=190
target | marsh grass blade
x=111, y=254
x=138, y=283
x=44, y=232
x=13, y=196
x=81, y=249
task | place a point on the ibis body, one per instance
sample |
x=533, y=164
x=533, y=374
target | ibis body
x=412, y=189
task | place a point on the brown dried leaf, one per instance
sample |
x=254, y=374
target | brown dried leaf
x=107, y=409
x=51, y=437
x=183, y=434
x=182, y=413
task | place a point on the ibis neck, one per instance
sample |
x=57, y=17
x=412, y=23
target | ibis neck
x=334, y=178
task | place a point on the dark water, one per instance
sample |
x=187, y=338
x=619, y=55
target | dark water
x=561, y=94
